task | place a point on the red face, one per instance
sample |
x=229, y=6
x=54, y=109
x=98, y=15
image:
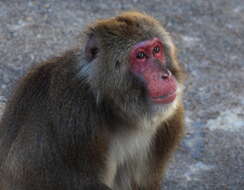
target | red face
x=147, y=60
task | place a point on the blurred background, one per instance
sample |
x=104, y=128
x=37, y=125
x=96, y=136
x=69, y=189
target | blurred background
x=209, y=35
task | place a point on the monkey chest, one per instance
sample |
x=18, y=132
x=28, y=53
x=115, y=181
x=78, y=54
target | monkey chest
x=128, y=159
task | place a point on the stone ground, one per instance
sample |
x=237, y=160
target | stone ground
x=209, y=36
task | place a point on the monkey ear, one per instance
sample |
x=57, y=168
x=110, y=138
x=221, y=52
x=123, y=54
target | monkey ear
x=91, y=48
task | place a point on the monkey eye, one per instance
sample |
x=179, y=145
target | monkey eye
x=140, y=55
x=156, y=49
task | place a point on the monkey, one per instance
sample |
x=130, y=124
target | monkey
x=106, y=115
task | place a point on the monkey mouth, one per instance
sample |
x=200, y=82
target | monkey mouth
x=165, y=99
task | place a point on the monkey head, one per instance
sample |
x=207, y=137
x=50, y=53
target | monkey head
x=133, y=62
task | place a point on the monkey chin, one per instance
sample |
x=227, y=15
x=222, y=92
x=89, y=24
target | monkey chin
x=166, y=107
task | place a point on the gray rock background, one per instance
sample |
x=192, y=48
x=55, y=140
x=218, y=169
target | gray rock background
x=209, y=36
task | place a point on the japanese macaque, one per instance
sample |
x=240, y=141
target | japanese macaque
x=106, y=115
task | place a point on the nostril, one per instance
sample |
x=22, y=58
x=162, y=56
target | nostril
x=166, y=74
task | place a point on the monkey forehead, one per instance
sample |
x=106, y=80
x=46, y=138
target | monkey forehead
x=129, y=27
x=147, y=43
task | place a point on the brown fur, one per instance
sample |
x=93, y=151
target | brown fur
x=83, y=121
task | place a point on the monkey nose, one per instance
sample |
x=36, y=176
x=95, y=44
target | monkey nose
x=166, y=74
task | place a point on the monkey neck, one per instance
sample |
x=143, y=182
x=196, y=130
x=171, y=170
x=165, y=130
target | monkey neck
x=113, y=114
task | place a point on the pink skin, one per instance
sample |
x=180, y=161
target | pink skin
x=161, y=84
